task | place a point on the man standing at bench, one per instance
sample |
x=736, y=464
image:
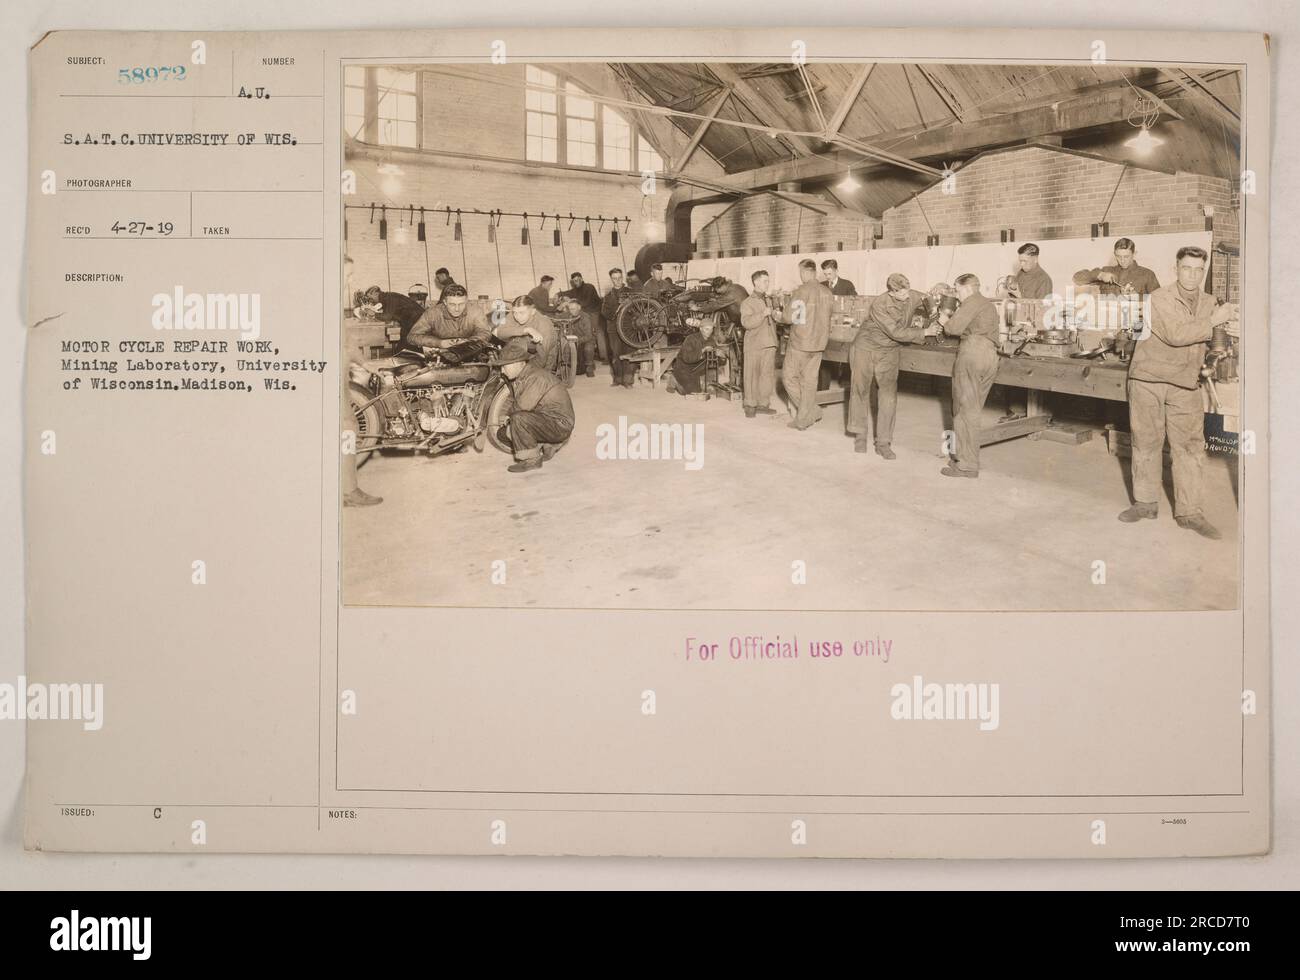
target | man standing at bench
x=1164, y=394
x=976, y=323
x=809, y=316
x=623, y=372
x=875, y=356
x=760, y=348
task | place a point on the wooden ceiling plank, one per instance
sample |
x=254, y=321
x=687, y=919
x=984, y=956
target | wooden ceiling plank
x=850, y=96
x=714, y=108
x=945, y=96
x=1200, y=96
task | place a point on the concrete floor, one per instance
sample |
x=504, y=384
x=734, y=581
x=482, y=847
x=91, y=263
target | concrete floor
x=874, y=535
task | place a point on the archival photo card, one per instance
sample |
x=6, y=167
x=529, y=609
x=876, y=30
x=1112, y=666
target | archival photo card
x=774, y=443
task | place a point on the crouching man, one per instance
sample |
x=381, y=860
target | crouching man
x=541, y=420
x=690, y=363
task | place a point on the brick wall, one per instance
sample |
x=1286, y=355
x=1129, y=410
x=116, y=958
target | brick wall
x=474, y=138
x=775, y=226
x=1044, y=193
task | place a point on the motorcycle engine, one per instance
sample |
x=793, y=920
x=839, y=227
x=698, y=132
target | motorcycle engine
x=700, y=320
x=433, y=415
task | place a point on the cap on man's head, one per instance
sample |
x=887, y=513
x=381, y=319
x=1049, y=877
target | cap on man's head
x=1029, y=248
x=896, y=281
x=546, y=279
x=514, y=351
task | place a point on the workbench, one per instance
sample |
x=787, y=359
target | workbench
x=1092, y=377
x=653, y=364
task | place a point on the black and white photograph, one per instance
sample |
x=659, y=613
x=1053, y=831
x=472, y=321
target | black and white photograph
x=873, y=335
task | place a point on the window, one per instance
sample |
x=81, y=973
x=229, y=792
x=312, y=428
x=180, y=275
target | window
x=398, y=107
x=542, y=128
x=618, y=141
x=580, y=127
x=354, y=102
x=565, y=124
x=647, y=157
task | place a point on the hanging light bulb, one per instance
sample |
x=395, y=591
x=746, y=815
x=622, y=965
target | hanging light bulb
x=1144, y=142
x=849, y=184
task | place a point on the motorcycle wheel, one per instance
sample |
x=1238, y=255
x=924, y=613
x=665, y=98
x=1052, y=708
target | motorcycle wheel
x=498, y=414
x=642, y=323
x=568, y=368
x=370, y=420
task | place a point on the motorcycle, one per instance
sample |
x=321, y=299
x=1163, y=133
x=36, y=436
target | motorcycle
x=431, y=401
x=642, y=321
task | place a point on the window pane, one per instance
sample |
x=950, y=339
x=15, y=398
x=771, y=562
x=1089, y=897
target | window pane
x=406, y=108
x=535, y=76
x=402, y=81
x=354, y=75
x=354, y=101
x=539, y=100
x=617, y=158
x=647, y=158
x=618, y=141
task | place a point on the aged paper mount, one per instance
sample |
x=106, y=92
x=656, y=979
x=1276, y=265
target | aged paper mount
x=749, y=648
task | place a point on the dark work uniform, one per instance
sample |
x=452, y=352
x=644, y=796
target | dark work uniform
x=587, y=295
x=542, y=413
x=688, y=367
x=659, y=289
x=584, y=329
x=541, y=297
x=1138, y=278
x=400, y=309
x=874, y=355
x=624, y=372
x=976, y=323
